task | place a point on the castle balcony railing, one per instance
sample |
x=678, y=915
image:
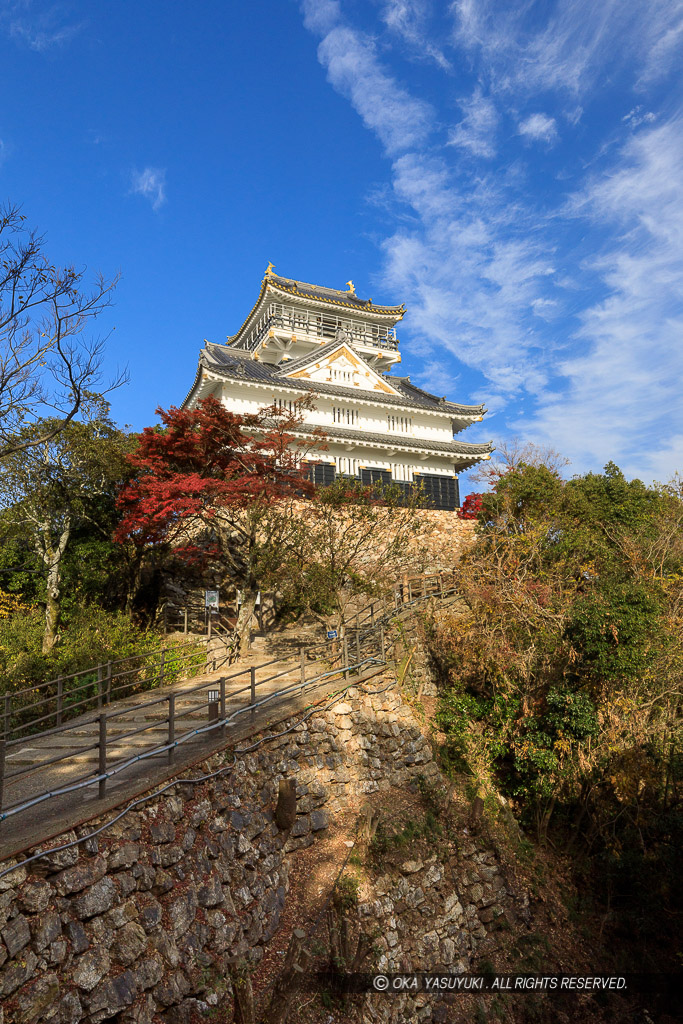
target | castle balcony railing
x=319, y=325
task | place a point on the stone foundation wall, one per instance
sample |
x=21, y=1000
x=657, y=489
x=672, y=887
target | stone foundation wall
x=139, y=924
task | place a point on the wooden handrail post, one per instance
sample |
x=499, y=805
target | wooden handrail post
x=109, y=678
x=253, y=691
x=99, y=686
x=60, y=691
x=424, y=587
x=358, y=650
x=7, y=716
x=185, y=620
x=171, y=728
x=209, y=626
x=161, y=668
x=381, y=636
x=165, y=618
x=302, y=660
x=372, y=613
x=2, y=769
x=441, y=585
x=222, y=687
x=102, y=750
x=345, y=649
x=410, y=592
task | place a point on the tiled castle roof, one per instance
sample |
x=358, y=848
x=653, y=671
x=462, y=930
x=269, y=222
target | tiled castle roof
x=234, y=364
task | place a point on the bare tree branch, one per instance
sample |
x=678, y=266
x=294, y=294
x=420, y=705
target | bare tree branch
x=47, y=366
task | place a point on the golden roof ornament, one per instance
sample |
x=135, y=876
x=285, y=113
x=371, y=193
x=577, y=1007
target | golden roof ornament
x=349, y=285
x=269, y=269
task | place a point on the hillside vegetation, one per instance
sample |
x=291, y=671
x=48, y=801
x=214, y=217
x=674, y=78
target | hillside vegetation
x=561, y=683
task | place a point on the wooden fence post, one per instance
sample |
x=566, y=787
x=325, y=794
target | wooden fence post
x=381, y=636
x=345, y=649
x=410, y=592
x=7, y=725
x=185, y=620
x=358, y=650
x=109, y=678
x=441, y=586
x=2, y=769
x=102, y=750
x=171, y=728
x=424, y=588
x=222, y=686
x=60, y=691
x=302, y=660
x=161, y=668
x=165, y=619
x=253, y=691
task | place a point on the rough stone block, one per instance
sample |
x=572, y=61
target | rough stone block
x=35, y=895
x=162, y=832
x=16, y=934
x=90, y=969
x=34, y=1000
x=124, y=857
x=319, y=820
x=96, y=900
x=46, y=929
x=129, y=943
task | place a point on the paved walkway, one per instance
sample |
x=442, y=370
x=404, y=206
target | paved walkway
x=45, y=817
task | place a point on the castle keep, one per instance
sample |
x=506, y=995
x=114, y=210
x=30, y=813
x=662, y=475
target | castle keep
x=301, y=338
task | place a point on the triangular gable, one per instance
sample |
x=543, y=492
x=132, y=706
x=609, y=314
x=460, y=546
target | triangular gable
x=340, y=366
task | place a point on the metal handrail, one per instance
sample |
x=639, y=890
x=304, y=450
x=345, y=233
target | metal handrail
x=172, y=717
x=346, y=666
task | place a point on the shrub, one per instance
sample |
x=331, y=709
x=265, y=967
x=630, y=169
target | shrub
x=471, y=507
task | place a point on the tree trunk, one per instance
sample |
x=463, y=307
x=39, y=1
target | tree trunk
x=287, y=983
x=244, y=1011
x=52, y=558
x=246, y=614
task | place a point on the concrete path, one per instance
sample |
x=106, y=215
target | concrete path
x=84, y=732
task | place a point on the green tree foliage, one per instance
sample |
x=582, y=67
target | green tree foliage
x=59, y=495
x=563, y=667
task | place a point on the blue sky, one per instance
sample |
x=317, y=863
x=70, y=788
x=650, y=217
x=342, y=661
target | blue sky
x=511, y=171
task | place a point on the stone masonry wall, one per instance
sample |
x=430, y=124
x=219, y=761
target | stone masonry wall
x=138, y=924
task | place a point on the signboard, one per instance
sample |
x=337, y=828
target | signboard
x=214, y=696
x=332, y=634
x=211, y=599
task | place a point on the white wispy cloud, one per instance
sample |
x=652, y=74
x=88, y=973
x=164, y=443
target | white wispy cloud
x=538, y=127
x=581, y=338
x=408, y=19
x=574, y=43
x=476, y=133
x=637, y=116
x=353, y=68
x=42, y=28
x=150, y=183
x=621, y=392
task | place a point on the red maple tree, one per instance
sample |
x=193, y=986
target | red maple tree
x=471, y=507
x=206, y=483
